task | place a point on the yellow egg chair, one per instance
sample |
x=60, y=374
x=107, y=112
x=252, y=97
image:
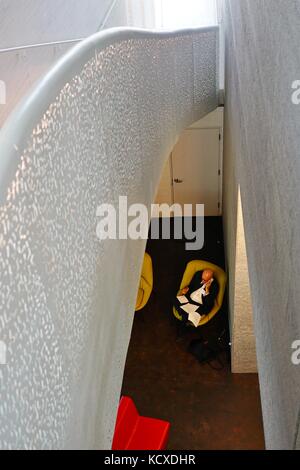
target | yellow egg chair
x=219, y=275
x=146, y=283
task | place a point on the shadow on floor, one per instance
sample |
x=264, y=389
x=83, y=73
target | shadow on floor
x=207, y=409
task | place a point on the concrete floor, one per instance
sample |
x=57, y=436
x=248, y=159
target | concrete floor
x=207, y=409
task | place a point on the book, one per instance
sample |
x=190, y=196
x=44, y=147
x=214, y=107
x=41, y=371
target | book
x=182, y=299
x=194, y=317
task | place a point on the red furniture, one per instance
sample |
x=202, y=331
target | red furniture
x=135, y=432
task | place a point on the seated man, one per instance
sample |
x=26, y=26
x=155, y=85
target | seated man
x=202, y=292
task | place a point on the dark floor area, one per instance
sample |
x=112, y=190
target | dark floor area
x=207, y=408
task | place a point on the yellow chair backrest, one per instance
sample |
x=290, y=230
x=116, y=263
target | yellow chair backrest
x=146, y=283
x=219, y=275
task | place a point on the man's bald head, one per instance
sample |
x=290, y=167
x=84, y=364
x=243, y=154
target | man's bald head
x=207, y=275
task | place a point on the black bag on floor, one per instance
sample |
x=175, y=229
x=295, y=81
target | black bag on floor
x=208, y=351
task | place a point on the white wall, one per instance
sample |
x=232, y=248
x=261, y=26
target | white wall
x=243, y=351
x=133, y=13
x=172, y=14
x=26, y=22
x=33, y=22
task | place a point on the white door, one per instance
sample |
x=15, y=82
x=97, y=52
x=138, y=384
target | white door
x=195, y=162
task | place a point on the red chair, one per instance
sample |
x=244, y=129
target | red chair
x=135, y=432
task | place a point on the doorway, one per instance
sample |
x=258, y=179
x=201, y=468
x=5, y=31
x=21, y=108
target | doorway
x=194, y=170
x=195, y=164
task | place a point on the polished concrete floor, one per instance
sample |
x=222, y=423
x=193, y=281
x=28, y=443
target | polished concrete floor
x=207, y=408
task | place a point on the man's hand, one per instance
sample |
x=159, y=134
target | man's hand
x=184, y=291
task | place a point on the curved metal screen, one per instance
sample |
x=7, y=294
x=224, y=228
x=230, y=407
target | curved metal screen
x=98, y=126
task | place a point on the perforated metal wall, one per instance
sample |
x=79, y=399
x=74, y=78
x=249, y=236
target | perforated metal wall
x=100, y=125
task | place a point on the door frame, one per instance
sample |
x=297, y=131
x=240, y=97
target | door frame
x=220, y=165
